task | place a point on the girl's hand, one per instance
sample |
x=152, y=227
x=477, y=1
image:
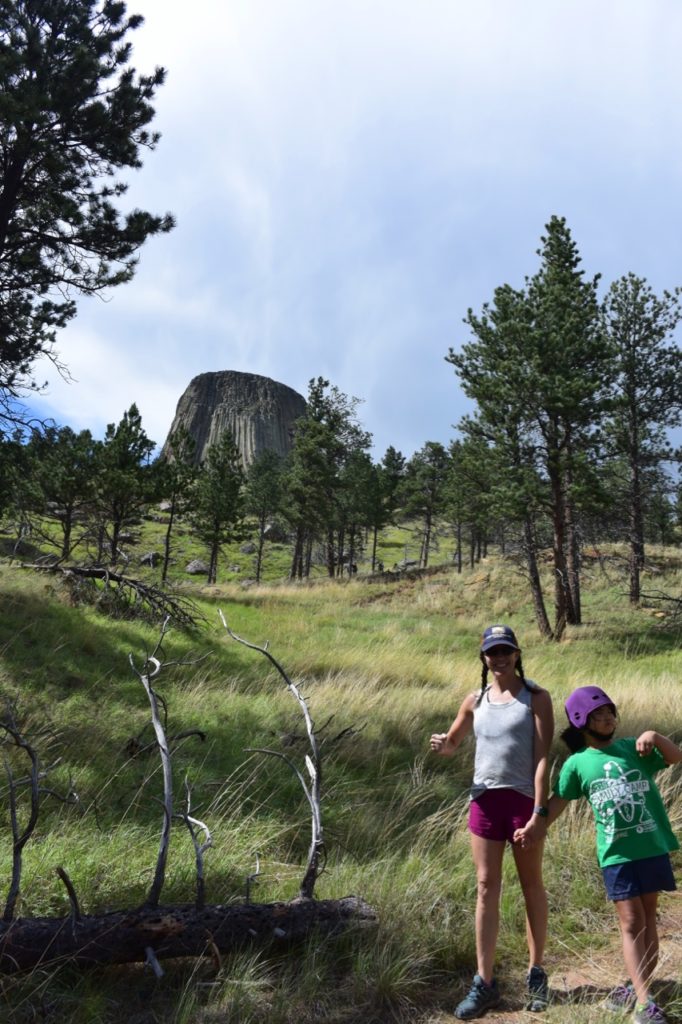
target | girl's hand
x=439, y=742
x=645, y=743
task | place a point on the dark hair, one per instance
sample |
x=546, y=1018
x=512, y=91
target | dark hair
x=573, y=738
x=518, y=668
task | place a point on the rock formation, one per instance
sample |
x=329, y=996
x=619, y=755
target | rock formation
x=258, y=411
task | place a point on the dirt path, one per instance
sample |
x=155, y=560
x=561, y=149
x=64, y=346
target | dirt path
x=579, y=982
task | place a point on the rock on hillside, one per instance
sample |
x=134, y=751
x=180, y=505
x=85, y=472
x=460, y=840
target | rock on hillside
x=258, y=411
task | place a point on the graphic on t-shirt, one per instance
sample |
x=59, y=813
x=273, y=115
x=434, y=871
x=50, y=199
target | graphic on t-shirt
x=618, y=799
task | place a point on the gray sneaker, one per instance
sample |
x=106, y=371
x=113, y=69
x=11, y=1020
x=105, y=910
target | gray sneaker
x=538, y=991
x=650, y=1014
x=481, y=997
x=621, y=998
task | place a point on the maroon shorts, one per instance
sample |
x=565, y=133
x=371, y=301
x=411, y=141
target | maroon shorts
x=497, y=813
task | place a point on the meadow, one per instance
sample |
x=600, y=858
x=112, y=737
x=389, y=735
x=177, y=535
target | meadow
x=382, y=665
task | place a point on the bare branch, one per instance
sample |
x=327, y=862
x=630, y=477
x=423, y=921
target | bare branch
x=150, y=670
x=251, y=880
x=75, y=908
x=19, y=839
x=199, y=848
x=316, y=850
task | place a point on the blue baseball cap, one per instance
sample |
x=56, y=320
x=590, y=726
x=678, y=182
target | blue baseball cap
x=498, y=636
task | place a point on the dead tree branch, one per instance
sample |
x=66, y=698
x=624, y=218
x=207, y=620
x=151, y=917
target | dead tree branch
x=150, y=670
x=199, y=848
x=126, y=936
x=181, y=610
x=316, y=851
x=19, y=838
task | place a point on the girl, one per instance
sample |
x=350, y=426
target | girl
x=512, y=721
x=634, y=837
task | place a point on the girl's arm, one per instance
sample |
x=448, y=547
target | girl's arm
x=445, y=743
x=525, y=836
x=669, y=750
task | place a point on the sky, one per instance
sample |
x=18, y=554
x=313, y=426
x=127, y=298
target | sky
x=349, y=178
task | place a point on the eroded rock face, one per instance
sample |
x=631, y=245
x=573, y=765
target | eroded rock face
x=258, y=411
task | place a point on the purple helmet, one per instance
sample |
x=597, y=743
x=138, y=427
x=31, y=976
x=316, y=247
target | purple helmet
x=583, y=701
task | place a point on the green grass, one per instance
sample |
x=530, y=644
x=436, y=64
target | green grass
x=390, y=662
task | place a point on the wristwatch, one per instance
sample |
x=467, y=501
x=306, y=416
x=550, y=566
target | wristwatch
x=541, y=812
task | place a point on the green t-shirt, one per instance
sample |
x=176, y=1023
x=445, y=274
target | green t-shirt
x=628, y=810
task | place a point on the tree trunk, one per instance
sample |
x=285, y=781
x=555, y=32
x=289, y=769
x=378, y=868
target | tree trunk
x=534, y=578
x=213, y=562
x=574, y=611
x=174, y=931
x=636, y=558
x=259, y=552
x=562, y=593
x=167, y=540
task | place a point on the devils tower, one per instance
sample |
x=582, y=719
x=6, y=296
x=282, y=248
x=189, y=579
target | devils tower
x=258, y=411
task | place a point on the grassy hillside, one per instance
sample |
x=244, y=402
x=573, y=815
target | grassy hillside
x=390, y=663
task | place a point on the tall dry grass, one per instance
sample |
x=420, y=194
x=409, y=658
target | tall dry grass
x=383, y=667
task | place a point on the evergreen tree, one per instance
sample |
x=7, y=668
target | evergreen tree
x=355, y=505
x=324, y=438
x=264, y=495
x=383, y=494
x=539, y=369
x=218, y=499
x=647, y=393
x=73, y=113
x=64, y=468
x=177, y=474
x=423, y=491
x=125, y=479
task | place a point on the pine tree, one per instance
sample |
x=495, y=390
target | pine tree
x=539, y=369
x=647, y=392
x=264, y=495
x=125, y=478
x=218, y=499
x=73, y=113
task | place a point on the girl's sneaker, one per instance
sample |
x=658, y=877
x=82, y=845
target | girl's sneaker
x=621, y=998
x=649, y=1014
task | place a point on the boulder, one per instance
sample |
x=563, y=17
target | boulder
x=197, y=568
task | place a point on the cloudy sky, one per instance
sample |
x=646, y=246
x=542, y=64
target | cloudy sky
x=350, y=176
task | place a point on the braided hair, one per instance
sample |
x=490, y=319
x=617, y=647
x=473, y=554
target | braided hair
x=518, y=668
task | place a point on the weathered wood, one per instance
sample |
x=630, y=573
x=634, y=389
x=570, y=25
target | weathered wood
x=174, y=931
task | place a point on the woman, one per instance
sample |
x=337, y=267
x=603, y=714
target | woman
x=512, y=720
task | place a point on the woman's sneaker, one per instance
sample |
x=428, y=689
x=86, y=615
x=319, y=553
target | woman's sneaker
x=481, y=997
x=621, y=998
x=538, y=991
x=649, y=1014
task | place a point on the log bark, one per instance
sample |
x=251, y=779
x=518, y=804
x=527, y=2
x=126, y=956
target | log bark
x=174, y=931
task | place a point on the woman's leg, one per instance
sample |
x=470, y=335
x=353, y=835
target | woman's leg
x=529, y=869
x=487, y=854
x=634, y=918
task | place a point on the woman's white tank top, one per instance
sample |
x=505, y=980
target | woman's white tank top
x=505, y=737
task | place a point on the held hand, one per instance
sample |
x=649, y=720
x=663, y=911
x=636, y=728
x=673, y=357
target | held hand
x=439, y=743
x=522, y=839
x=645, y=743
x=534, y=831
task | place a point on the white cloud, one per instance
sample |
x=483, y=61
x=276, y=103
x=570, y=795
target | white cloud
x=348, y=178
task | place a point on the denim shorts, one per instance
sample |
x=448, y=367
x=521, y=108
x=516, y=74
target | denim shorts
x=639, y=877
x=497, y=813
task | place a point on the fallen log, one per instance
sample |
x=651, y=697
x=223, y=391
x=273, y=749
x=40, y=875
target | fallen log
x=152, y=934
